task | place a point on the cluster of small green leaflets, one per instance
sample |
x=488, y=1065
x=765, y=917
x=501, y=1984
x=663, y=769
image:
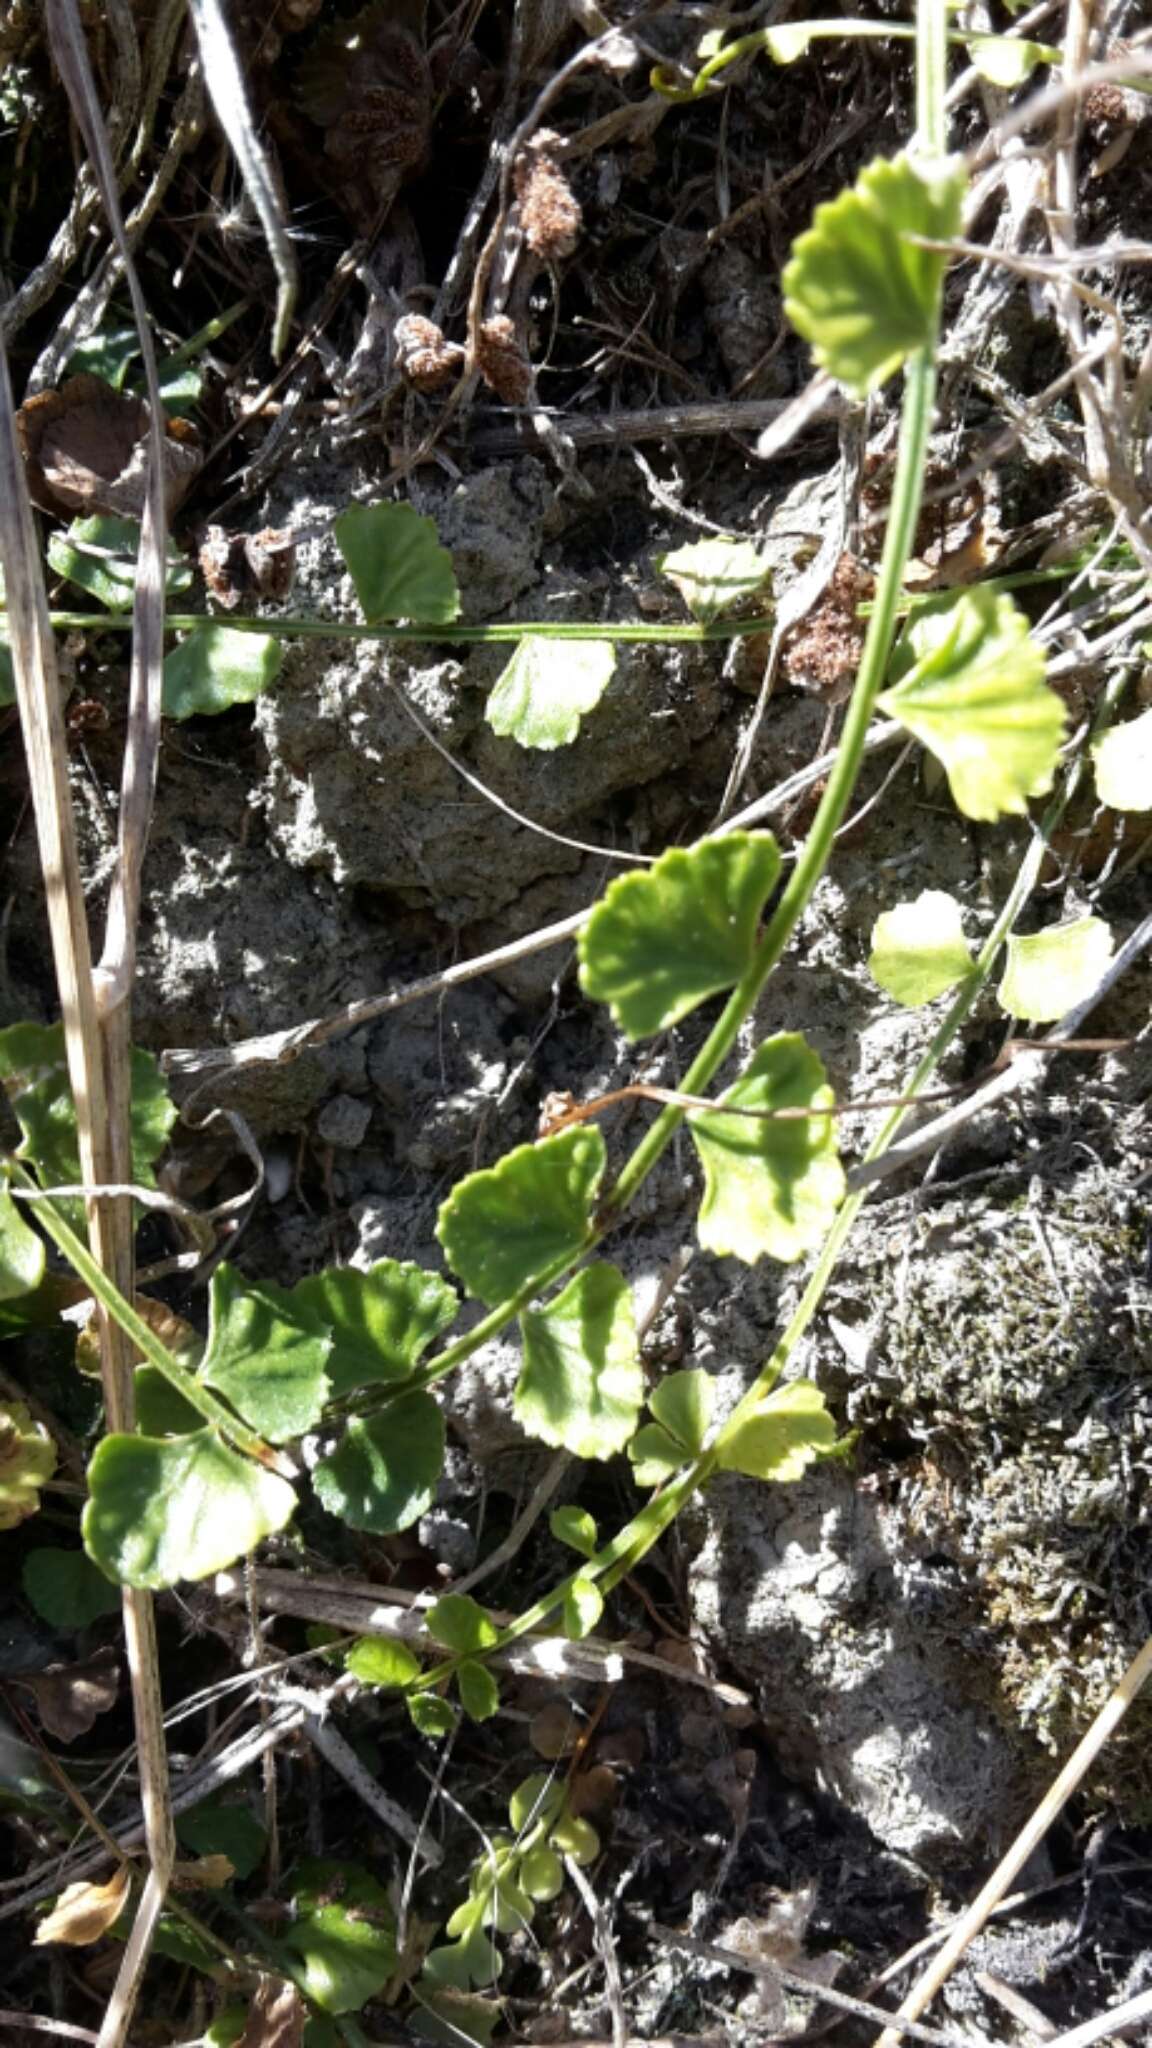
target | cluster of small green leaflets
x=467, y=1633
x=919, y=952
x=776, y=1437
x=1004, y=60
x=510, y=1878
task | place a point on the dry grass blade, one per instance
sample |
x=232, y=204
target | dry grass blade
x=1032, y=1833
x=226, y=85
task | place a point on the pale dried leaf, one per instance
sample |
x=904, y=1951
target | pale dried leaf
x=204, y=1874
x=86, y=450
x=276, y=2016
x=84, y=1912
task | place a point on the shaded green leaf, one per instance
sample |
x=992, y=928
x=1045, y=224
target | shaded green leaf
x=576, y=1528
x=919, y=949
x=537, y=1797
x=165, y=1509
x=770, y=1185
x=265, y=1356
x=99, y=554
x=583, y=1606
x=542, y=694
x=655, y=1455
x=106, y=354
x=682, y=1408
x=462, y=1625
x=715, y=576
x=378, y=1660
x=581, y=1383
x=27, y=1459
x=430, y=1715
x=382, y=1475
x=503, y=1226
x=658, y=943
x=397, y=564
x=479, y=1692
x=215, y=667
x=34, y=1076
x=65, y=1587
x=856, y=287
x=344, y=1935
x=454, y=2017
x=7, y=674
x=1123, y=759
x=22, y=1261
x=576, y=1837
x=225, y=2030
x=381, y=1321
x=969, y=683
x=1009, y=60
x=781, y=1437
x=161, y=1410
x=1050, y=971
x=223, y=1827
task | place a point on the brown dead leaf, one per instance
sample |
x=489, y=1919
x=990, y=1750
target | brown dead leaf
x=84, y=1912
x=86, y=450
x=254, y=565
x=204, y=1874
x=276, y=2016
x=554, y=1731
x=69, y=1697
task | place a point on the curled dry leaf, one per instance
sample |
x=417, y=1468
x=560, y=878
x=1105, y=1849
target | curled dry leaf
x=276, y=2016
x=86, y=450
x=423, y=356
x=248, y=565
x=550, y=213
x=69, y=1697
x=502, y=361
x=84, y=1912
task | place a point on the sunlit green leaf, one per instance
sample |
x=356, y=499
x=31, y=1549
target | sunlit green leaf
x=27, y=1459
x=682, y=1408
x=503, y=1226
x=919, y=949
x=787, y=41
x=343, y=1933
x=659, y=942
x=542, y=694
x=462, y=1625
x=430, y=1715
x=215, y=667
x=969, y=683
x=537, y=1797
x=225, y=2030
x=382, y=1475
x=34, y=1076
x=479, y=1692
x=576, y=1837
x=21, y=1249
x=378, y=1660
x=583, y=1606
x=581, y=1383
x=771, y=1185
x=265, y=1356
x=98, y=554
x=857, y=287
x=65, y=1587
x=780, y=1439
x=165, y=1509
x=224, y=1827
x=715, y=576
x=576, y=1528
x=542, y=1874
x=1123, y=758
x=1009, y=60
x=381, y=1321
x=1050, y=971
x=397, y=564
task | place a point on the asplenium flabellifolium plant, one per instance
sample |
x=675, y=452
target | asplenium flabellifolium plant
x=351, y=1358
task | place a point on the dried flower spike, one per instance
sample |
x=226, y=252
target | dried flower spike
x=502, y=362
x=422, y=354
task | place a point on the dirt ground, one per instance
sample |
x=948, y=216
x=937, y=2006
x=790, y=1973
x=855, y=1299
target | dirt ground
x=908, y=1640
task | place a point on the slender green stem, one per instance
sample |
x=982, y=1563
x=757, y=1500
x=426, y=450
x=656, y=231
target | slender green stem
x=455, y=633
x=787, y=38
x=145, y=1339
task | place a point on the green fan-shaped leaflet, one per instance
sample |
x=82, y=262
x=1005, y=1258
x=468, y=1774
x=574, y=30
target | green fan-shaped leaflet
x=382, y=1475
x=502, y=1227
x=658, y=943
x=162, y=1510
x=581, y=1383
x=857, y=288
x=771, y=1186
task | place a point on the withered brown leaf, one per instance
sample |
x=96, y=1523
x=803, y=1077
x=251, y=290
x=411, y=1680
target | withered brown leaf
x=276, y=2016
x=69, y=1697
x=85, y=450
x=84, y=1912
